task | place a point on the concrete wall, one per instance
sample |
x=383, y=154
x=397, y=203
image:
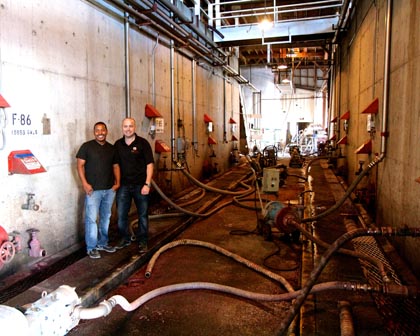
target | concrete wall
x=361, y=81
x=61, y=70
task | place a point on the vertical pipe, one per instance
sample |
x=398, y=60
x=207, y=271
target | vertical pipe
x=127, y=66
x=154, y=70
x=224, y=111
x=346, y=319
x=193, y=103
x=338, y=102
x=217, y=14
x=386, y=76
x=275, y=13
x=332, y=90
x=172, y=78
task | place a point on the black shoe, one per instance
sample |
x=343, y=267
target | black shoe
x=143, y=247
x=123, y=243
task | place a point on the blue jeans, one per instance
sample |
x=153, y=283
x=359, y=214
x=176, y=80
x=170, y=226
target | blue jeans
x=98, y=203
x=125, y=194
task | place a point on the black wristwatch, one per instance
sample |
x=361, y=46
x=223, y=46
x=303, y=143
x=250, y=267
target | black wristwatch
x=147, y=184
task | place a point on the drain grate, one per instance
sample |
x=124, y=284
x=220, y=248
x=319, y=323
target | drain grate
x=400, y=315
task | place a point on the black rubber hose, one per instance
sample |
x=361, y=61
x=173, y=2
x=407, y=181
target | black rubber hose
x=347, y=193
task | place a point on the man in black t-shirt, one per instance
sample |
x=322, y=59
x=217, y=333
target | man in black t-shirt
x=136, y=161
x=99, y=173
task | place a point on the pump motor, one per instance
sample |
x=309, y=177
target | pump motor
x=274, y=215
x=50, y=315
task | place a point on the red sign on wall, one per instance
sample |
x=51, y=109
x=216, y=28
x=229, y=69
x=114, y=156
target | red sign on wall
x=24, y=162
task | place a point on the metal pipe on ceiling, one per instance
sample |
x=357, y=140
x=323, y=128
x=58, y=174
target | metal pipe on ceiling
x=345, y=13
x=188, y=22
x=180, y=35
x=156, y=13
x=166, y=27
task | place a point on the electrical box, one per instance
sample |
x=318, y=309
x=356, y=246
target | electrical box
x=160, y=125
x=180, y=145
x=271, y=180
x=24, y=162
x=370, y=123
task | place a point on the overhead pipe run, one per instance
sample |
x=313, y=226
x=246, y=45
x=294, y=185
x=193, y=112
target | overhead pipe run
x=173, y=31
x=159, y=18
x=189, y=22
x=166, y=26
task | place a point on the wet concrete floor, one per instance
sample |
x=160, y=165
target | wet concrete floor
x=211, y=312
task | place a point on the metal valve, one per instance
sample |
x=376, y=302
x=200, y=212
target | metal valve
x=30, y=203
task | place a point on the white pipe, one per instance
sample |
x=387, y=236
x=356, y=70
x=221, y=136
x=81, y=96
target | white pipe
x=172, y=88
x=90, y=313
x=193, y=103
x=153, y=70
x=104, y=308
x=386, y=77
x=127, y=65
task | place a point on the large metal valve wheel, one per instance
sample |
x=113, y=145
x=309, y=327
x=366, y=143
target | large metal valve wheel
x=7, y=252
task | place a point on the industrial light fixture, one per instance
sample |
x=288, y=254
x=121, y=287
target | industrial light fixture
x=291, y=53
x=265, y=24
x=284, y=77
x=282, y=66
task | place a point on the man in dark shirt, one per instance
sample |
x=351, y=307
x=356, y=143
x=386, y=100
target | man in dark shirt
x=136, y=162
x=100, y=176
